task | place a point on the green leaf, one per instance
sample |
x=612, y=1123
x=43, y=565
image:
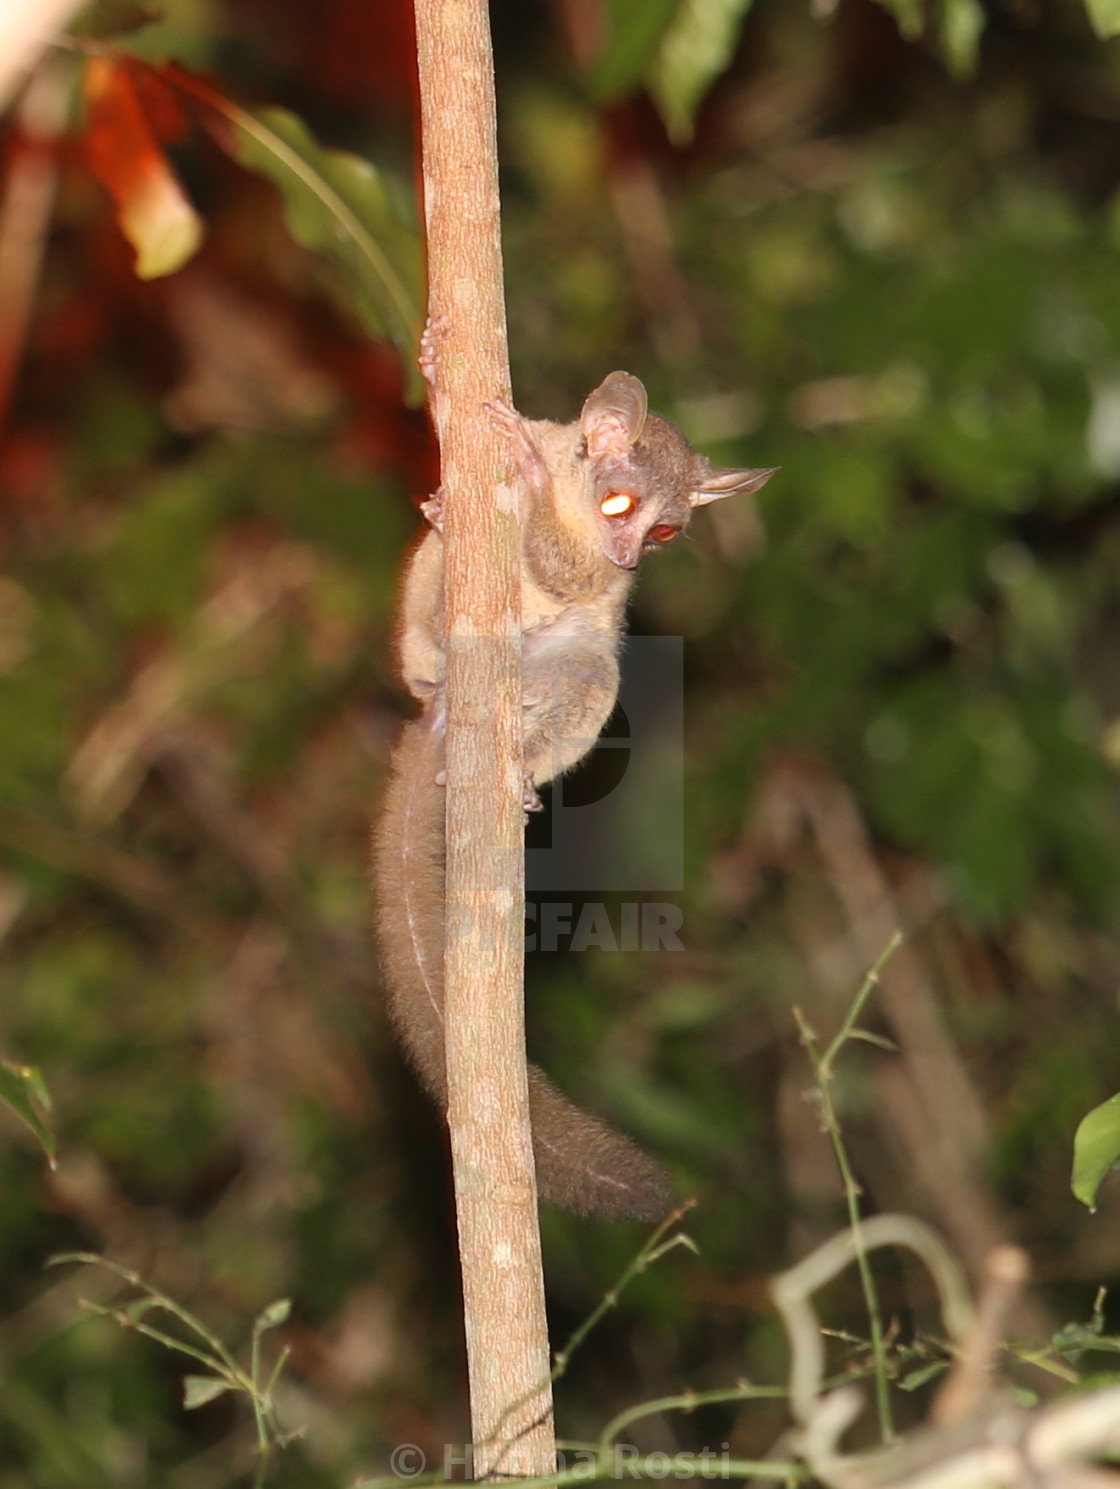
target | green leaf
x=24, y=1092
x=136, y=1310
x=103, y=19
x=199, y=1389
x=635, y=28
x=339, y=205
x=274, y=1315
x=962, y=22
x=1021, y=1395
x=1096, y=1147
x=916, y=1378
x=880, y=1041
x=909, y=14
x=695, y=49
x=1104, y=16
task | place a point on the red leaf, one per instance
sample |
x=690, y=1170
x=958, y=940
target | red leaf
x=123, y=131
x=161, y=104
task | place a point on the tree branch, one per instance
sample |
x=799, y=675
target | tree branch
x=26, y=29
x=488, y=1110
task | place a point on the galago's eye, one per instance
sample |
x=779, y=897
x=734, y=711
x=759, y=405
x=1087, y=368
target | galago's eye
x=617, y=504
x=663, y=532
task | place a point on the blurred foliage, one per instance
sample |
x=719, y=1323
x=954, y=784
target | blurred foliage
x=338, y=205
x=902, y=705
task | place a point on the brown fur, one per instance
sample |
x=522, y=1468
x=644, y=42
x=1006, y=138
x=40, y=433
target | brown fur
x=576, y=572
x=581, y=1163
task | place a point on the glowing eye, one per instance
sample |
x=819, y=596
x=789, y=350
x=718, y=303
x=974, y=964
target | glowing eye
x=616, y=504
x=663, y=533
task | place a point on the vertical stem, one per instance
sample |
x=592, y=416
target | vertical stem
x=823, y=1068
x=488, y=1110
x=26, y=205
x=26, y=29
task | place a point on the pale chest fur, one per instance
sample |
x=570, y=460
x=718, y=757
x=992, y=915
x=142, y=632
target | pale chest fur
x=577, y=609
x=551, y=590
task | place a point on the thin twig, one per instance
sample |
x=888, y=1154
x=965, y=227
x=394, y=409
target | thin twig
x=652, y=1251
x=823, y=1069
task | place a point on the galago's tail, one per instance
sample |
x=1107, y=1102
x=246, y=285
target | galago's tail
x=582, y=1164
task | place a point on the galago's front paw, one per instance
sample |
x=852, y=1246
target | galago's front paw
x=529, y=459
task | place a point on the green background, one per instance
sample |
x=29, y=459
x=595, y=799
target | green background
x=895, y=279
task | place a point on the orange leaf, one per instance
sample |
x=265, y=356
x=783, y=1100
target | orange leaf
x=154, y=212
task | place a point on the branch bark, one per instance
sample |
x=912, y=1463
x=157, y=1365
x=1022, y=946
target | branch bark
x=488, y=1108
x=26, y=29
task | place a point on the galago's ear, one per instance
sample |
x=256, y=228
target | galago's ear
x=613, y=417
x=720, y=483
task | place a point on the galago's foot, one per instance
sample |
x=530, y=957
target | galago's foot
x=432, y=338
x=433, y=509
